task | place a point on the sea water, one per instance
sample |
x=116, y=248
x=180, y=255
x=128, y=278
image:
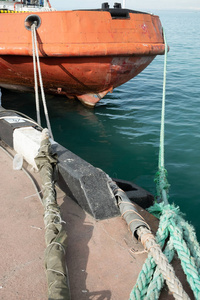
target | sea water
x=121, y=134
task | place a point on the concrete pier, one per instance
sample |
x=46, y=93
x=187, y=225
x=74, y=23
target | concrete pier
x=103, y=259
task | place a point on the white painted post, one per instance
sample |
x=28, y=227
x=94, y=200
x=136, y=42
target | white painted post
x=124, y=4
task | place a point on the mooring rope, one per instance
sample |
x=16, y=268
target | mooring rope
x=35, y=76
x=36, y=55
x=184, y=241
x=161, y=161
x=174, y=234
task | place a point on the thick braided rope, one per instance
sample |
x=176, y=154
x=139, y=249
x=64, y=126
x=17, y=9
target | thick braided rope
x=190, y=237
x=174, y=284
x=187, y=262
x=185, y=243
x=171, y=216
x=157, y=282
x=139, y=291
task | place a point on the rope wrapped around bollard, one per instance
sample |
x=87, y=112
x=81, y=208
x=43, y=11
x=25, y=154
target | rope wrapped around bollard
x=55, y=235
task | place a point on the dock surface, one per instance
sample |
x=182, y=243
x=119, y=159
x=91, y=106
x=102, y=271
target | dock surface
x=103, y=259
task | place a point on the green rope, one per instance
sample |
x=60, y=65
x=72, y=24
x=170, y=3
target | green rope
x=162, y=184
x=174, y=233
x=150, y=280
x=157, y=281
x=161, y=153
x=140, y=289
x=189, y=235
x=171, y=218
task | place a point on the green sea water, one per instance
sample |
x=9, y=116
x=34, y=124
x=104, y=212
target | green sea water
x=121, y=134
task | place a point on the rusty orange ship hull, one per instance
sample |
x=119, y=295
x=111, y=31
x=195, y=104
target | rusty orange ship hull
x=83, y=54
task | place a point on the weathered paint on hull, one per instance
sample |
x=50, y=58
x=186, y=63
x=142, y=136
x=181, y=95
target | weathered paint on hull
x=73, y=76
x=83, y=54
